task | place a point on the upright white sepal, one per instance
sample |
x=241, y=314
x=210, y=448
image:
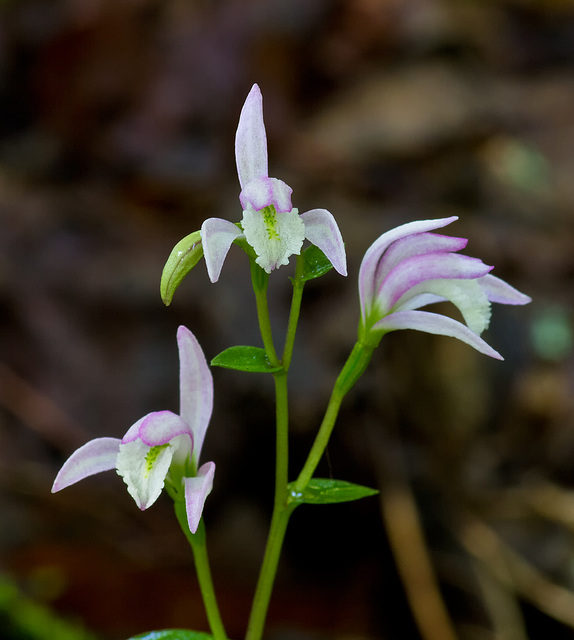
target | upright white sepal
x=251, y=139
x=195, y=388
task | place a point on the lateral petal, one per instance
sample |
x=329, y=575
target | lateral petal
x=436, y=324
x=195, y=387
x=500, y=291
x=322, y=230
x=196, y=491
x=95, y=456
x=370, y=262
x=414, y=245
x=217, y=236
x=421, y=268
x=251, y=139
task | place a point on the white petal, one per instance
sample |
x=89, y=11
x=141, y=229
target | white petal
x=144, y=469
x=274, y=236
x=251, y=139
x=321, y=230
x=436, y=324
x=196, y=491
x=95, y=456
x=217, y=236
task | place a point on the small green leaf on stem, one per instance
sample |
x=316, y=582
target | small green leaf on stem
x=327, y=491
x=315, y=263
x=183, y=257
x=173, y=634
x=245, y=358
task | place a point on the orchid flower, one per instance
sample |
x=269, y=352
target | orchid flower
x=161, y=447
x=270, y=225
x=409, y=267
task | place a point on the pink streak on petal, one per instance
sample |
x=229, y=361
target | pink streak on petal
x=217, y=236
x=251, y=139
x=369, y=264
x=321, y=230
x=159, y=427
x=500, y=291
x=195, y=387
x=262, y=192
x=431, y=266
x=436, y=324
x=93, y=457
x=196, y=491
x=413, y=245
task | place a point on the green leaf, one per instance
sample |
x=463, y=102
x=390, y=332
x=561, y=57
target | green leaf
x=243, y=358
x=183, y=257
x=173, y=634
x=315, y=263
x=326, y=491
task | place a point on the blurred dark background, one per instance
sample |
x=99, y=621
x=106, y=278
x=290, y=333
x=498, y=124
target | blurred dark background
x=117, y=122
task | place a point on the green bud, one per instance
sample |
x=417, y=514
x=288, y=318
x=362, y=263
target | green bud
x=184, y=256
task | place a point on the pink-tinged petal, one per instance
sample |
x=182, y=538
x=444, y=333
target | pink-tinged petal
x=95, y=456
x=321, y=230
x=431, y=266
x=414, y=245
x=370, y=263
x=217, y=236
x=436, y=324
x=159, y=427
x=500, y=291
x=196, y=491
x=251, y=139
x=264, y=191
x=195, y=387
x=133, y=433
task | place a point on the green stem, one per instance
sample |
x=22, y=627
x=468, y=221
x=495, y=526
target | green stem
x=260, y=280
x=268, y=572
x=353, y=369
x=298, y=284
x=199, y=549
x=281, y=510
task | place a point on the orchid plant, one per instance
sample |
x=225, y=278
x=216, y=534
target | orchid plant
x=405, y=269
